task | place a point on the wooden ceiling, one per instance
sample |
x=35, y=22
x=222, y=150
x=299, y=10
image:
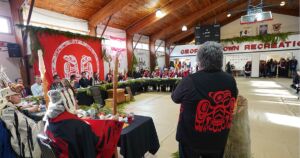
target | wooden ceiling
x=138, y=16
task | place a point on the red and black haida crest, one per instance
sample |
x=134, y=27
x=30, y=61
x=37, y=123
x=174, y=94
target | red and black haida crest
x=215, y=116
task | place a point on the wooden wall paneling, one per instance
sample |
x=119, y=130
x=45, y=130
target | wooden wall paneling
x=152, y=19
x=188, y=20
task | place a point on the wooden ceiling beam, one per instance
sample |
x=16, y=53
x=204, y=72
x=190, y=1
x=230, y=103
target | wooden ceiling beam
x=189, y=19
x=181, y=35
x=211, y=20
x=152, y=19
x=107, y=11
x=292, y=12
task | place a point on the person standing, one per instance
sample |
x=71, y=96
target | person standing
x=207, y=100
x=248, y=68
x=228, y=68
x=293, y=66
x=84, y=82
x=37, y=87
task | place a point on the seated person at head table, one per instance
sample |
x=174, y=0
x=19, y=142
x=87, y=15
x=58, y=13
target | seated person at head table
x=26, y=91
x=73, y=81
x=23, y=129
x=109, y=77
x=95, y=79
x=37, y=87
x=67, y=131
x=56, y=83
x=84, y=82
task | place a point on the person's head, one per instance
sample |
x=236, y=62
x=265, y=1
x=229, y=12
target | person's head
x=66, y=83
x=38, y=79
x=73, y=77
x=19, y=81
x=12, y=94
x=95, y=75
x=83, y=74
x=56, y=79
x=210, y=56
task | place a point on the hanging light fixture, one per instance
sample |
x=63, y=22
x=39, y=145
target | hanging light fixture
x=184, y=28
x=282, y=3
x=228, y=15
x=159, y=13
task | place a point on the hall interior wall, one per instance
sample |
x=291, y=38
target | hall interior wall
x=288, y=24
x=11, y=64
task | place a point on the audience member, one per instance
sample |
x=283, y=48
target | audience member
x=207, y=100
x=248, y=68
x=228, y=68
x=37, y=87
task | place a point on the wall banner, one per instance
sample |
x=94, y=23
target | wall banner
x=67, y=56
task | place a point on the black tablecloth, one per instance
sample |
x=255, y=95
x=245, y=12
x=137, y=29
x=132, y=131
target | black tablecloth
x=139, y=138
x=84, y=99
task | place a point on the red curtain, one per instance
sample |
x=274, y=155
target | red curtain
x=66, y=56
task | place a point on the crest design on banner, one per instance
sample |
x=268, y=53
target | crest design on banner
x=86, y=65
x=70, y=66
x=72, y=61
x=217, y=116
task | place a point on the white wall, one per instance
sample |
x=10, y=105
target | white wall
x=110, y=35
x=288, y=24
x=45, y=18
x=10, y=65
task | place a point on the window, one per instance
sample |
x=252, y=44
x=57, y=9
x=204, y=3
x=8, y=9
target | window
x=5, y=26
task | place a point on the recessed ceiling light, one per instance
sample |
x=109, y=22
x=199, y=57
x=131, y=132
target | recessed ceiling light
x=159, y=13
x=228, y=15
x=282, y=3
x=184, y=28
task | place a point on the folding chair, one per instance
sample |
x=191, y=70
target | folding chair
x=44, y=143
x=96, y=93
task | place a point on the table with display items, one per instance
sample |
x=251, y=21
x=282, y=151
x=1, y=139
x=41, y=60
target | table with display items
x=139, y=138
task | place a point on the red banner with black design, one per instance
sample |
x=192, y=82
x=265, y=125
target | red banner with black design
x=67, y=56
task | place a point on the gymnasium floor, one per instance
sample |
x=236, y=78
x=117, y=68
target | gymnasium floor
x=274, y=114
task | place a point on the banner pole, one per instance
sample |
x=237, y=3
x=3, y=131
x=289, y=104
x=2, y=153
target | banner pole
x=42, y=70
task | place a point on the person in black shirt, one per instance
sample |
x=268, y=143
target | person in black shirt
x=84, y=82
x=228, y=68
x=207, y=100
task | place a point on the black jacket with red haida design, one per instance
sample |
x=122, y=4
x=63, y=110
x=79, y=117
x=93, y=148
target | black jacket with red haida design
x=72, y=137
x=207, y=101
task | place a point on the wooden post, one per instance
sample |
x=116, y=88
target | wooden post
x=115, y=84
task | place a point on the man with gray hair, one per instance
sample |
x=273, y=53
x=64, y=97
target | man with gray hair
x=207, y=100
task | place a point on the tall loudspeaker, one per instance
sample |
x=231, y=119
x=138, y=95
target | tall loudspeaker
x=14, y=50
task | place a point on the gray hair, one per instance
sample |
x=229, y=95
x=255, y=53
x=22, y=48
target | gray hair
x=55, y=106
x=210, y=56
